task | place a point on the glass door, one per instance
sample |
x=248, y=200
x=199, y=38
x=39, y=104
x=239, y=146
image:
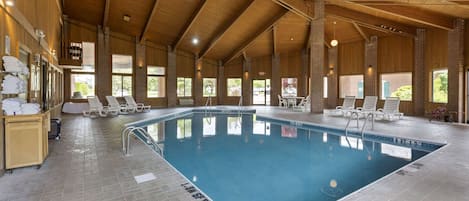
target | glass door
x=261, y=92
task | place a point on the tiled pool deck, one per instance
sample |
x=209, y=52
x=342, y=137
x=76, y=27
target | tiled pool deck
x=87, y=163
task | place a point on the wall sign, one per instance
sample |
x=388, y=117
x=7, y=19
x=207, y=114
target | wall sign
x=7, y=45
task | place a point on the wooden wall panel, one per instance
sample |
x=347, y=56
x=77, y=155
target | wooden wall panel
x=156, y=55
x=234, y=68
x=185, y=64
x=124, y=45
x=351, y=58
x=261, y=64
x=466, y=44
x=290, y=64
x=209, y=68
x=82, y=33
x=436, y=49
x=395, y=54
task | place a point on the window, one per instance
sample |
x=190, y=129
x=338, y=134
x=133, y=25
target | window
x=82, y=85
x=396, y=85
x=351, y=85
x=184, y=128
x=156, y=87
x=324, y=87
x=184, y=87
x=289, y=86
x=210, y=87
x=121, y=75
x=440, y=86
x=83, y=80
x=234, y=87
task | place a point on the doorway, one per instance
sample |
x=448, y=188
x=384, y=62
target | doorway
x=261, y=92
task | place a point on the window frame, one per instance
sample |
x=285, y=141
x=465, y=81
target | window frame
x=356, y=95
x=80, y=72
x=192, y=88
x=380, y=90
x=241, y=94
x=157, y=76
x=432, y=98
x=122, y=75
x=281, y=85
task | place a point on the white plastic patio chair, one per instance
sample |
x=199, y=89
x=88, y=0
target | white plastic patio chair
x=369, y=105
x=114, y=104
x=139, y=107
x=282, y=102
x=304, y=104
x=390, y=109
x=96, y=108
x=347, y=106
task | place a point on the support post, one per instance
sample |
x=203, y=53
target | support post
x=317, y=57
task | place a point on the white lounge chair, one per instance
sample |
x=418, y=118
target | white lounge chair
x=282, y=102
x=347, y=106
x=390, y=110
x=139, y=107
x=369, y=105
x=114, y=104
x=304, y=104
x=96, y=108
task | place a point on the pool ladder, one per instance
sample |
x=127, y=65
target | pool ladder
x=133, y=130
x=355, y=114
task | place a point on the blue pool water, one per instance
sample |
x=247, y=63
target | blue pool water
x=244, y=157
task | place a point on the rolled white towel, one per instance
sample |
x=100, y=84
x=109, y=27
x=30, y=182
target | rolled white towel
x=30, y=108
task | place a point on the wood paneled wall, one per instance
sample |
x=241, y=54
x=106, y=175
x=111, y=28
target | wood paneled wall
x=234, y=69
x=351, y=58
x=395, y=54
x=261, y=65
x=466, y=45
x=291, y=66
x=18, y=23
x=185, y=64
x=436, y=49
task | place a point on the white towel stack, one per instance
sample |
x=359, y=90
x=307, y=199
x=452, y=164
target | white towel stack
x=13, y=85
x=30, y=108
x=13, y=65
x=12, y=106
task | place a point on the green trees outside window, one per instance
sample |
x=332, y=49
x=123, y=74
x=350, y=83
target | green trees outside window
x=440, y=86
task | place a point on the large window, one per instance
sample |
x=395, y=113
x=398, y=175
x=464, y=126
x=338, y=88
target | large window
x=396, y=85
x=156, y=82
x=324, y=82
x=184, y=87
x=440, y=86
x=289, y=87
x=210, y=87
x=351, y=85
x=83, y=80
x=121, y=75
x=234, y=87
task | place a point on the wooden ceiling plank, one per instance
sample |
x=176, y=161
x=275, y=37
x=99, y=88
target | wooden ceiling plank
x=274, y=40
x=423, y=17
x=149, y=20
x=369, y=21
x=361, y=31
x=227, y=27
x=106, y=13
x=302, y=8
x=189, y=24
x=264, y=29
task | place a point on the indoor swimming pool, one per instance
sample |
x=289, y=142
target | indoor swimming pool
x=238, y=156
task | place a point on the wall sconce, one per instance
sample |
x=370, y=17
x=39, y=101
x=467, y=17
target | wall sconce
x=140, y=64
x=331, y=70
x=53, y=52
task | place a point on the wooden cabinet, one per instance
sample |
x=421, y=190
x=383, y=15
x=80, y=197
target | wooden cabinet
x=26, y=140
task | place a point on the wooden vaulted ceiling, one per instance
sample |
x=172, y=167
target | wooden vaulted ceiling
x=227, y=29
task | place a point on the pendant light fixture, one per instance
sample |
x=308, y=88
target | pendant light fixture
x=334, y=41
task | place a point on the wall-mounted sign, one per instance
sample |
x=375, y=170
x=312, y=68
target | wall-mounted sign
x=7, y=45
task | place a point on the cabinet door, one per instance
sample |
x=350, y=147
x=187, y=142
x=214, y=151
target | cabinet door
x=23, y=143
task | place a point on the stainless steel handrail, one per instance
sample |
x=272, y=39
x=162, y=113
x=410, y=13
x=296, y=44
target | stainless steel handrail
x=369, y=116
x=132, y=131
x=354, y=113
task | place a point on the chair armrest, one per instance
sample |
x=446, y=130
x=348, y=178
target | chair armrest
x=379, y=110
x=338, y=107
x=360, y=108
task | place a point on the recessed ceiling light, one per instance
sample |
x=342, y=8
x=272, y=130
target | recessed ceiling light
x=126, y=18
x=195, y=41
x=10, y=3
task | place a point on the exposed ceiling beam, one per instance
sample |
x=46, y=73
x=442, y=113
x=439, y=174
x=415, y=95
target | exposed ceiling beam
x=227, y=26
x=107, y=6
x=149, y=19
x=302, y=8
x=274, y=40
x=369, y=21
x=267, y=27
x=189, y=24
x=245, y=56
x=415, y=15
x=361, y=31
